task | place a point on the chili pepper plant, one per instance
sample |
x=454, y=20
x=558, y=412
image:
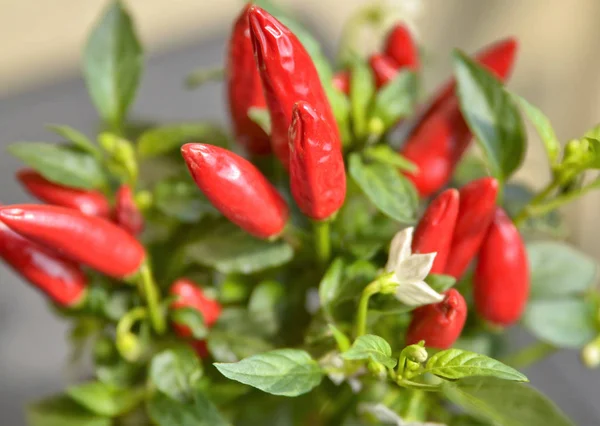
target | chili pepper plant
x=351, y=252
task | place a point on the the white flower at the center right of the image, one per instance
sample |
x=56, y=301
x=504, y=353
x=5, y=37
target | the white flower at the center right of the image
x=410, y=271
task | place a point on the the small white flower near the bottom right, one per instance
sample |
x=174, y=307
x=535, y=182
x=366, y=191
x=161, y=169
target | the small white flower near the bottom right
x=388, y=416
x=409, y=271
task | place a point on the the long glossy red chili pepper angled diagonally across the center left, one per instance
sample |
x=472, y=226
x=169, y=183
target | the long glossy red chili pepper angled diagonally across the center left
x=237, y=189
x=439, y=324
x=436, y=228
x=90, y=202
x=244, y=88
x=58, y=278
x=89, y=240
x=317, y=174
x=475, y=213
x=288, y=76
x=501, y=280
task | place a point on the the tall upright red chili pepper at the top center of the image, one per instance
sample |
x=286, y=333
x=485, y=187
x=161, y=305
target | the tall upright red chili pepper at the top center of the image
x=288, y=75
x=244, y=89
